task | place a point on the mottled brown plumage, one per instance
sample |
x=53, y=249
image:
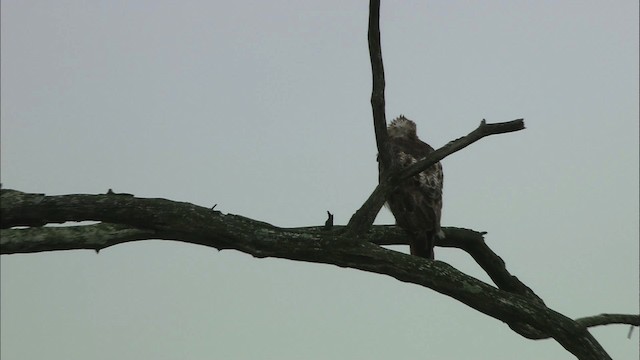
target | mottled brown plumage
x=417, y=202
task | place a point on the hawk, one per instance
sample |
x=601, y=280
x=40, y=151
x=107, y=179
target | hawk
x=417, y=202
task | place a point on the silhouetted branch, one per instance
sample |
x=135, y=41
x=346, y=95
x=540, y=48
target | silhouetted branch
x=587, y=322
x=363, y=218
x=164, y=219
x=481, y=131
x=608, y=319
x=469, y=241
x=377, y=72
x=95, y=237
x=328, y=224
x=102, y=235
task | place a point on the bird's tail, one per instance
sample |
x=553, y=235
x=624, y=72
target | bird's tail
x=422, y=245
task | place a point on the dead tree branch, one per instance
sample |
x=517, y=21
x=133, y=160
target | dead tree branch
x=608, y=319
x=377, y=72
x=469, y=241
x=96, y=237
x=139, y=218
x=363, y=218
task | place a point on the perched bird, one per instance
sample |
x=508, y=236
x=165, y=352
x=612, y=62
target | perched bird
x=417, y=202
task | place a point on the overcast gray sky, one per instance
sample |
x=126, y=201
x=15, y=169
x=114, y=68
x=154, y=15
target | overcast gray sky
x=262, y=107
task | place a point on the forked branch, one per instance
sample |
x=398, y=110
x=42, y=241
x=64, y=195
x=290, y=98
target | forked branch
x=139, y=219
x=362, y=220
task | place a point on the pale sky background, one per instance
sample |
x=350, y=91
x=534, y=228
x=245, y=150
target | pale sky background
x=262, y=107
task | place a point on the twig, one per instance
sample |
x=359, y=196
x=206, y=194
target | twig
x=607, y=319
x=328, y=224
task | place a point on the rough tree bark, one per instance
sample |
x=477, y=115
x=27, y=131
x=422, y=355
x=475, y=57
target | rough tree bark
x=123, y=218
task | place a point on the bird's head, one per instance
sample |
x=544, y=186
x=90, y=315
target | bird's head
x=401, y=127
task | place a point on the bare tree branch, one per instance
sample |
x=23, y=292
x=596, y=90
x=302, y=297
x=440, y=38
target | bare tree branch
x=481, y=131
x=587, y=322
x=471, y=242
x=102, y=235
x=95, y=236
x=165, y=219
x=363, y=218
x=608, y=319
x=377, y=70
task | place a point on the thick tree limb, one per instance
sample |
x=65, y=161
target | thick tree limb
x=102, y=235
x=362, y=220
x=470, y=241
x=164, y=219
x=96, y=237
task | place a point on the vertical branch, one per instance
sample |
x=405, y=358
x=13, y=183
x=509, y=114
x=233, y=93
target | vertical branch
x=377, y=70
x=361, y=221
